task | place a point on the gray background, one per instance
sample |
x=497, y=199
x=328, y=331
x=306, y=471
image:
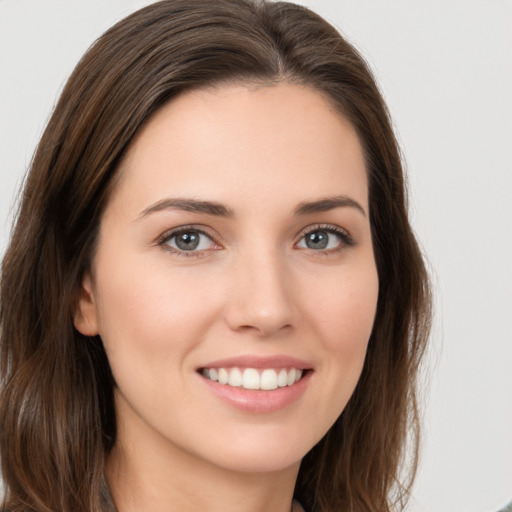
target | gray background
x=445, y=67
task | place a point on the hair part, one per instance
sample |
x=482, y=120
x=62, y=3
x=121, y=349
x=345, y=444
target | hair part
x=57, y=410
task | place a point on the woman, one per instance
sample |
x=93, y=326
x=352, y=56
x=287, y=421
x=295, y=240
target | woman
x=212, y=297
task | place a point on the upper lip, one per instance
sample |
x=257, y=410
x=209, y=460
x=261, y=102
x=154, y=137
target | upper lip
x=254, y=361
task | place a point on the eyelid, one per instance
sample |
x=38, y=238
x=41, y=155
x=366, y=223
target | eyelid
x=204, y=230
x=346, y=238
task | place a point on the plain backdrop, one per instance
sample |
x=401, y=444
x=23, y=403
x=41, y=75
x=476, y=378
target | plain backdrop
x=445, y=68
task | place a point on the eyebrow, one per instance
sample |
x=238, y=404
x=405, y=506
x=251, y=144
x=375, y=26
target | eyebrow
x=188, y=205
x=328, y=203
x=219, y=210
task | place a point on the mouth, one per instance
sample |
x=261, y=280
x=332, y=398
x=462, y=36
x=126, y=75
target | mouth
x=257, y=384
x=263, y=379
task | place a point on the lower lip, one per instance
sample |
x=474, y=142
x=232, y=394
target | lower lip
x=259, y=401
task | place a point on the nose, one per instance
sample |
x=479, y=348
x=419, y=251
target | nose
x=260, y=298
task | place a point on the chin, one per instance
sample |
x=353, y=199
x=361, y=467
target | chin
x=260, y=453
x=261, y=462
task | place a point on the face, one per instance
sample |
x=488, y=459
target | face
x=234, y=284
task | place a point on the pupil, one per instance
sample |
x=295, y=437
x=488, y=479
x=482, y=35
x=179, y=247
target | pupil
x=317, y=240
x=187, y=241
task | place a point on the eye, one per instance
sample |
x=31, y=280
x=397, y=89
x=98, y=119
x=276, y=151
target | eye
x=325, y=238
x=187, y=240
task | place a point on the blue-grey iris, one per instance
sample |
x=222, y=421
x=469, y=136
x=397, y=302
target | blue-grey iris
x=317, y=240
x=187, y=241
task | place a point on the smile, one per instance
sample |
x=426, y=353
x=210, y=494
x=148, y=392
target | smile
x=257, y=384
x=265, y=379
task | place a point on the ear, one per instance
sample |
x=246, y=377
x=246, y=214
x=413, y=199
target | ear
x=85, y=317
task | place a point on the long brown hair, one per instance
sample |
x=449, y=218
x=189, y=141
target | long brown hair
x=57, y=418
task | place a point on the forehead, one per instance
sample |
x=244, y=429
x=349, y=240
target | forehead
x=232, y=141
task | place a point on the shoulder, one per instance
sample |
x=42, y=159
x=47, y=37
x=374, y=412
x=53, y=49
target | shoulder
x=506, y=508
x=297, y=507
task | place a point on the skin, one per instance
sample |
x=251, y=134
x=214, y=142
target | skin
x=253, y=287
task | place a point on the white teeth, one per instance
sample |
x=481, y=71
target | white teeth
x=282, y=378
x=269, y=379
x=223, y=376
x=235, y=377
x=250, y=378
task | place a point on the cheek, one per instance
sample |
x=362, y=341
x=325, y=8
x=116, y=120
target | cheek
x=340, y=314
x=344, y=315
x=151, y=321
x=146, y=311
x=345, y=310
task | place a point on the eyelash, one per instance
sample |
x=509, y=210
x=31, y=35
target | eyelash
x=169, y=235
x=345, y=239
